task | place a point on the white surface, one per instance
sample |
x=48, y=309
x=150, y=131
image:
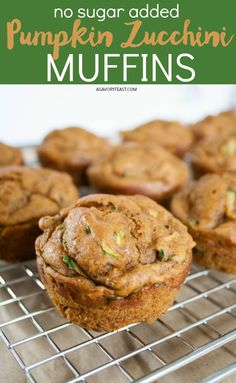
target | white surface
x=28, y=112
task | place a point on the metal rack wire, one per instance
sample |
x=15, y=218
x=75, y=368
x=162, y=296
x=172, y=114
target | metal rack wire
x=201, y=323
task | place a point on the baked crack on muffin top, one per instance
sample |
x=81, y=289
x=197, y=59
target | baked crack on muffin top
x=10, y=155
x=112, y=246
x=170, y=134
x=146, y=169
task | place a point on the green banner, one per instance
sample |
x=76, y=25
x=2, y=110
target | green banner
x=118, y=42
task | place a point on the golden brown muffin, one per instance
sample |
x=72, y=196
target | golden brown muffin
x=170, y=134
x=10, y=155
x=71, y=150
x=215, y=155
x=208, y=208
x=27, y=194
x=113, y=260
x=220, y=125
x=146, y=169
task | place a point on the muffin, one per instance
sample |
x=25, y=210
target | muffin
x=214, y=155
x=27, y=194
x=220, y=125
x=208, y=208
x=113, y=260
x=71, y=150
x=10, y=156
x=170, y=134
x=146, y=169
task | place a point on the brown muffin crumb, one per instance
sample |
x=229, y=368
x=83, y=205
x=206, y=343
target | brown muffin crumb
x=71, y=150
x=208, y=208
x=220, y=125
x=215, y=155
x=138, y=169
x=170, y=134
x=27, y=194
x=113, y=260
x=10, y=155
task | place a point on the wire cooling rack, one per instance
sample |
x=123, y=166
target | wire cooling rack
x=198, y=323
x=195, y=341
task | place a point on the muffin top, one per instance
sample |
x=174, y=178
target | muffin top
x=114, y=245
x=10, y=155
x=209, y=204
x=216, y=154
x=170, y=134
x=72, y=146
x=220, y=125
x=27, y=194
x=139, y=168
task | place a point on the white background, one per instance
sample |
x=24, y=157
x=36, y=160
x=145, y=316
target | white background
x=28, y=112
